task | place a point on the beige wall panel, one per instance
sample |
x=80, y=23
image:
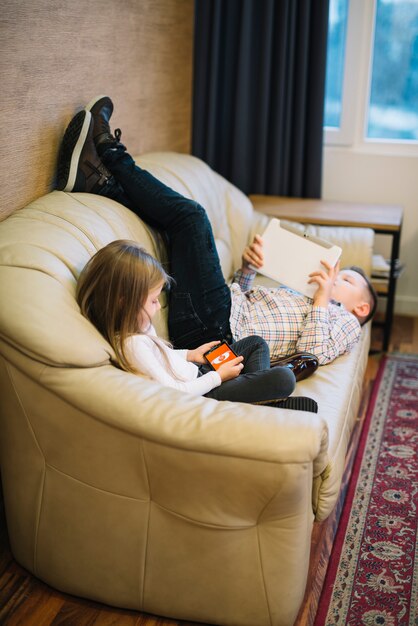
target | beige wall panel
x=55, y=55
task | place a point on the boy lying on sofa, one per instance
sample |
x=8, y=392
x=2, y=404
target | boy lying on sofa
x=202, y=307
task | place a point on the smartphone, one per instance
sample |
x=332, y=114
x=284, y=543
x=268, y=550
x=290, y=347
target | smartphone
x=221, y=353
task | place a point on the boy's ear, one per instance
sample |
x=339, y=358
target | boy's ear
x=362, y=309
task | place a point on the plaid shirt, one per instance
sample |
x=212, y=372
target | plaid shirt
x=289, y=322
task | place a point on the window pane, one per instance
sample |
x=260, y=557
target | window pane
x=393, y=109
x=337, y=29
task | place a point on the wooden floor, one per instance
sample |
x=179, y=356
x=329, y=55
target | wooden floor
x=26, y=601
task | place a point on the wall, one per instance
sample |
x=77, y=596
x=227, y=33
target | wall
x=356, y=175
x=55, y=55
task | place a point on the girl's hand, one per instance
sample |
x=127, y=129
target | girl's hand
x=253, y=255
x=231, y=369
x=196, y=355
x=325, y=281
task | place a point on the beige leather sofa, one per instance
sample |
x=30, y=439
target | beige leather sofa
x=139, y=496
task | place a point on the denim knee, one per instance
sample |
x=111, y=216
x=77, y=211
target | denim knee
x=284, y=379
x=259, y=341
x=197, y=213
x=256, y=345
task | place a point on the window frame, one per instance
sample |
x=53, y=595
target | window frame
x=357, y=86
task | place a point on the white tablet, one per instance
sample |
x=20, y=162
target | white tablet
x=290, y=256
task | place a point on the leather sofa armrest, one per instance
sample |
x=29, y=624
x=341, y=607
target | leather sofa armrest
x=142, y=408
x=192, y=423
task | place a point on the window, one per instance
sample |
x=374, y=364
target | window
x=393, y=103
x=371, y=93
x=337, y=30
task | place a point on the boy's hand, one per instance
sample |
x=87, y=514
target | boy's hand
x=253, y=255
x=231, y=369
x=325, y=281
x=196, y=355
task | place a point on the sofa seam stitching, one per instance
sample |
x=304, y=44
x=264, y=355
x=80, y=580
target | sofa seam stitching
x=108, y=222
x=40, y=495
x=7, y=363
x=148, y=524
x=263, y=576
x=203, y=524
x=86, y=484
x=38, y=523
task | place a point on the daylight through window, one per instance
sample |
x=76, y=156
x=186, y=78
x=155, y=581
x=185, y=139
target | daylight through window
x=390, y=106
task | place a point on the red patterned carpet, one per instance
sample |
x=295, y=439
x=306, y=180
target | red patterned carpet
x=372, y=577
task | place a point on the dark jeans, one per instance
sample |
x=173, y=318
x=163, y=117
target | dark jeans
x=199, y=300
x=257, y=382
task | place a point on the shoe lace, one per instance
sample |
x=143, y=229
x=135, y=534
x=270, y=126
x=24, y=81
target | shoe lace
x=104, y=129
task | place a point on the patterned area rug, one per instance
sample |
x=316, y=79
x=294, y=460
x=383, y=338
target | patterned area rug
x=372, y=577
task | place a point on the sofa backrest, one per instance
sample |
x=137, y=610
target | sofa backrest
x=44, y=246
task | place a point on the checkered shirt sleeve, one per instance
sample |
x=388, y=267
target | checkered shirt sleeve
x=288, y=322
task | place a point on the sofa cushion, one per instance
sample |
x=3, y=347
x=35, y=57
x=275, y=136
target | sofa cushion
x=54, y=237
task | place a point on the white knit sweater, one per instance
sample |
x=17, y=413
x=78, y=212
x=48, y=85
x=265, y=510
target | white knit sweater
x=146, y=357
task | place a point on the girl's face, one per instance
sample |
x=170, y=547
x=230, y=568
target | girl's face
x=151, y=307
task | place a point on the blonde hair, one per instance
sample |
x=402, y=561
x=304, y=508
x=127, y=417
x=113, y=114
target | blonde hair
x=112, y=289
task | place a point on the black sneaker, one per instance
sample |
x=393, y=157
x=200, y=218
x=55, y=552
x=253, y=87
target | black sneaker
x=298, y=403
x=79, y=165
x=101, y=109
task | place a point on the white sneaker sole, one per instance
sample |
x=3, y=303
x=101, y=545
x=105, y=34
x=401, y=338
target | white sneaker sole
x=91, y=104
x=75, y=157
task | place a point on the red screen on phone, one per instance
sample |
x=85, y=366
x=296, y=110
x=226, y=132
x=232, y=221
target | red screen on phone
x=220, y=354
